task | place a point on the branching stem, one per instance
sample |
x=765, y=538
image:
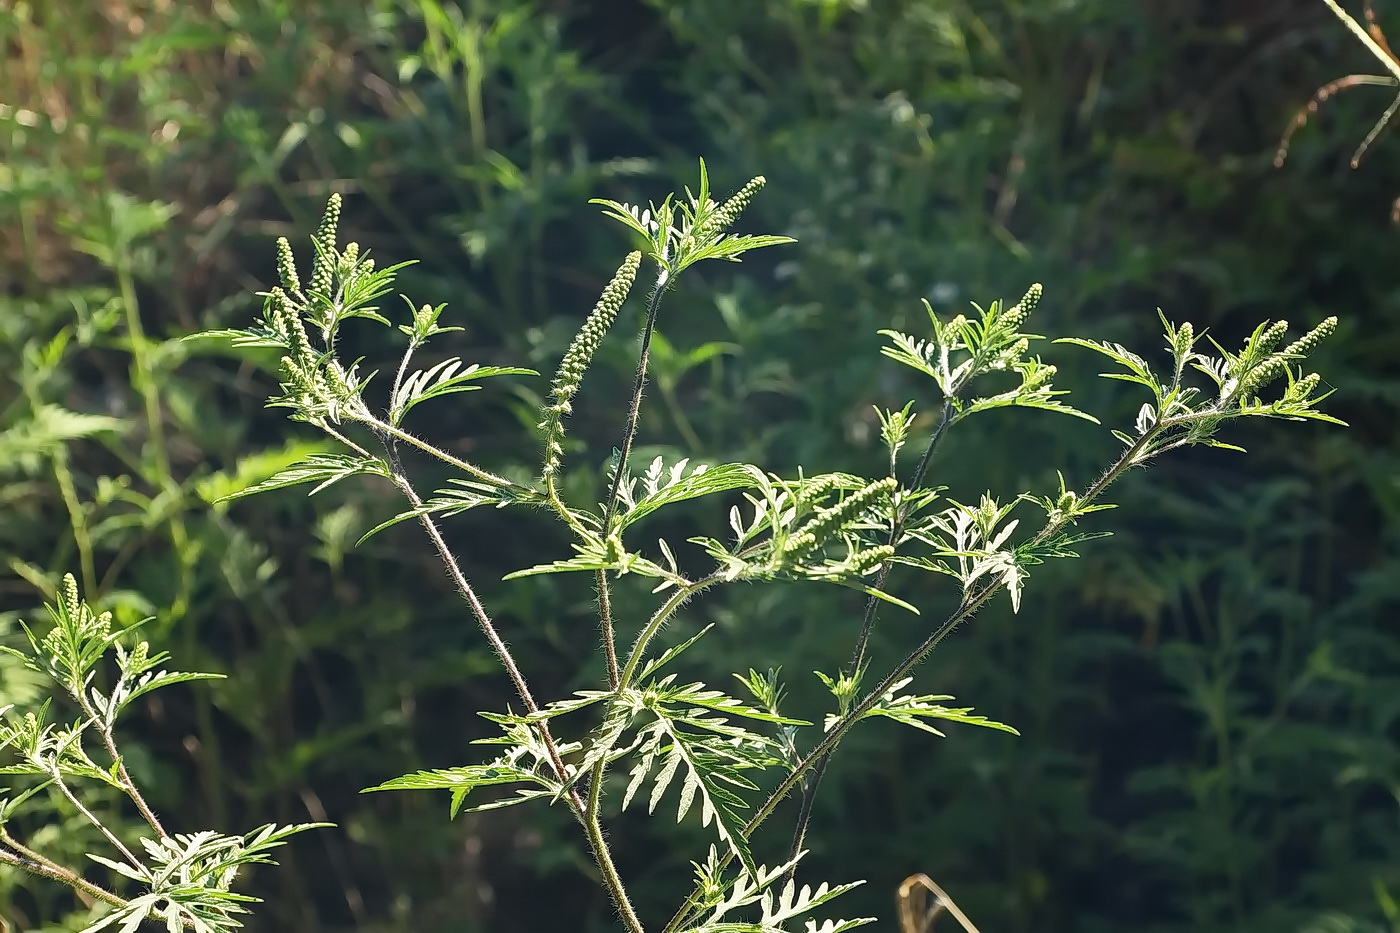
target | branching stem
x=1360, y=32
x=383, y=427
x=968, y=608
x=872, y=610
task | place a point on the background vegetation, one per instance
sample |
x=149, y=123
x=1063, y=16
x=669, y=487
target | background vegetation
x=1208, y=701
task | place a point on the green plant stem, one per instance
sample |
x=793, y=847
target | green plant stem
x=605, y=620
x=592, y=815
x=183, y=553
x=565, y=513
x=143, y=379
x=69, y=493
x=605, y=627
x=92, y=818
x=602, y=855
x=969, y=607
x=654, y=624
x=872, y=610
x=385, y=428
x=76, y=521
x=30, y=861
x=658, y=619
x=128, y=785
x=402, y=370
x=611, y=879
x=872, y=605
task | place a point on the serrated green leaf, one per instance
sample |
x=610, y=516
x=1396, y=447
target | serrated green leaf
x=670, y=654
x=444, y=378
x=702, y=481
x=322, y=469
x=48, y=428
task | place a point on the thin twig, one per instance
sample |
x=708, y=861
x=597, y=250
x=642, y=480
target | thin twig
x=1360, y=32
x=92, y=818
x=634, y=409
x=26, y=860
x=918, y=918
x=128, y=785
x=593, y=829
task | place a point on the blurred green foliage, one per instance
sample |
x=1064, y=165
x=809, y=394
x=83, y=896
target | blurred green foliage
x=1208, y=701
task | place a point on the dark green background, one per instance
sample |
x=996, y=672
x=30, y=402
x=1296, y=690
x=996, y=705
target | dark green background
x=1208, y=700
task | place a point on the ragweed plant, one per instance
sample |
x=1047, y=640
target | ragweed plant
x=645, y=735
x=187, y=878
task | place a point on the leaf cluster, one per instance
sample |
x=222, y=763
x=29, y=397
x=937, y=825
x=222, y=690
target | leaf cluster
x=188, y=878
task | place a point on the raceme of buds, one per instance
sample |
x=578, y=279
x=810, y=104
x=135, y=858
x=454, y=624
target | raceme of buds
x=348, y=257
x=868, y=560
x=1023, y=308
x=1304, y=387
x=829, y=522
x=1272, y=335
x=578, y=357
x=1274, y=367
x=324, y=239
x=70, y=595
x=817, y=489
x=1309, y=341
x=288, y=325
x=1186, y=334
x=286, y=266
x=728, y=212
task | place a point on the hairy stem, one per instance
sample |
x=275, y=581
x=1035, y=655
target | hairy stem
x=658, y=619
x=606, y=628
x=488, y=628
x=634, y=408
x=654, y=624
x=593, y=829
x=605, y=619
x=384, y=428
x=592, y=815
x=401, y=372
x=128, y=785
x=611, y=879
x=30, y=861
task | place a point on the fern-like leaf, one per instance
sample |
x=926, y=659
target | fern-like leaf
x=444, y=378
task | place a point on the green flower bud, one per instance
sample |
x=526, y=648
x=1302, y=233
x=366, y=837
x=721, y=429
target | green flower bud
x=1309, y=341
x=829, y=522
x=868, y=560
x=578, y=357
x=324, y=238
x=286, y=266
